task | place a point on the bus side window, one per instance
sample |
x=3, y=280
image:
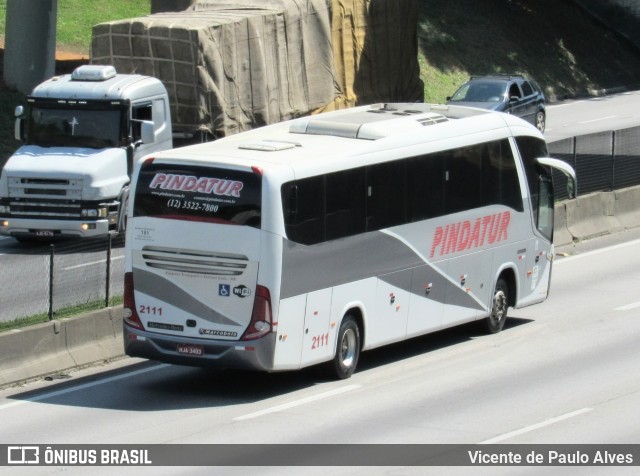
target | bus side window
x=500, y=184
x=425, y=187
x=538, y=180
x=386, y=195
x=345, y=203
x=303, y=203
x=545, y=208
x=463, y=187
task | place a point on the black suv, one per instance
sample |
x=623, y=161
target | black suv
x=513, y=94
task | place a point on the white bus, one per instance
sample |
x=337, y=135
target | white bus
x=309, y=241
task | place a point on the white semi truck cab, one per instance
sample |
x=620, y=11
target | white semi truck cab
x=81, y=135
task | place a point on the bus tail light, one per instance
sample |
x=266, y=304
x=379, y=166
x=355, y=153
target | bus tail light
x=261, y=318
x=129, y=304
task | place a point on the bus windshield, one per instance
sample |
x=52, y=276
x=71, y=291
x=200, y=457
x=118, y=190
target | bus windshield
x=196, y=193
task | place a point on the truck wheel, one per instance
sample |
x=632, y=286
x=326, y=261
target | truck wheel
x=347, y=349
x=500, y=305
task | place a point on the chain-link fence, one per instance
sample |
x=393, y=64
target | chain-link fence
x=60, y=279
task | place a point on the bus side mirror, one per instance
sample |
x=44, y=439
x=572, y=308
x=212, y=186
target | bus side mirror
x=566, y=169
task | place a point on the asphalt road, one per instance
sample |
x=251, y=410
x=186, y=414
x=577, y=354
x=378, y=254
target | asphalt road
x=564, y=371
x=586, y=116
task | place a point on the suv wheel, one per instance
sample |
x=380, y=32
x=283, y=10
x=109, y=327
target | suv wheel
x=540, y=121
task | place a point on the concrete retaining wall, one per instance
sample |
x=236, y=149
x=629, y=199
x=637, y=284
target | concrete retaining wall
x=53, y=347
x=59, y=345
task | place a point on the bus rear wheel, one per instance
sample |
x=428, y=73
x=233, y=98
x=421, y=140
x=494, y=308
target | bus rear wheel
x=500, y=305
x=347, y=349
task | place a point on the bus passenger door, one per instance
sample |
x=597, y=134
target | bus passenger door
x=315, y=346
x=539, y=258
x=538, y=273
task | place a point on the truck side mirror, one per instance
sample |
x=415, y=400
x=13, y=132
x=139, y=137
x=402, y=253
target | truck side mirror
x=18, y=129
x=147, y=132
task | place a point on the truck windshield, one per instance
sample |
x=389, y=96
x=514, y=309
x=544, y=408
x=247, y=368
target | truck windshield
x=93, y=128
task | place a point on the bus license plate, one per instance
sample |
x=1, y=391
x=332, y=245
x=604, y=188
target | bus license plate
x=45, y=233
x=188, y=349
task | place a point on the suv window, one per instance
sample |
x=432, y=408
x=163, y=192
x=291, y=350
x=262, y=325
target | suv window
x=527, y=90
x=514, y=91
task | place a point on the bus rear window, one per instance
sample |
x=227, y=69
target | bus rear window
x=197, y=193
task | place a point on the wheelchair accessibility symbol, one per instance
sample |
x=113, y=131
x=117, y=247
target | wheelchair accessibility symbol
x=224, y=290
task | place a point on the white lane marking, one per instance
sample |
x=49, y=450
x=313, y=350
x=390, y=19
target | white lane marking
x=598, y=120
x=47, y=396
x=297, y=403
x=83, y=265
x=628, y=307
x=598, y=251
x=529, y=428
x=558, y=106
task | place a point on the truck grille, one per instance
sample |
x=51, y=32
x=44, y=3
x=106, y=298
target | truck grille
x=192, y=261
x=45, y=208
x=43, y=197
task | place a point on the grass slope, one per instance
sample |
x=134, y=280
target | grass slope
x=553, y=41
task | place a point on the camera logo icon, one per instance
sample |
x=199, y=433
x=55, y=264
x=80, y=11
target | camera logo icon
x=23, y=455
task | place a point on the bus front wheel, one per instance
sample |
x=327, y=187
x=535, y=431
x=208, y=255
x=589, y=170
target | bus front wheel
x=500, y=305
x=347, y=349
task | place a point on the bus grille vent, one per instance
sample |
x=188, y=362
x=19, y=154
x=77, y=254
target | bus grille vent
x=193, y=261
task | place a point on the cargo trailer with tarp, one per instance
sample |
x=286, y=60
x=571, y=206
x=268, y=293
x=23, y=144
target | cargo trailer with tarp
x=231, y=66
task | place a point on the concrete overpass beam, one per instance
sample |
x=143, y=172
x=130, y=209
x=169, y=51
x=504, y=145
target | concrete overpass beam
x=30, y=43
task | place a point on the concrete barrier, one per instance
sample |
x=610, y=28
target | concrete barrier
x=627, y=206
x=596, y=214
x=561, y=234
x=592, y=215
x=55, y=346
